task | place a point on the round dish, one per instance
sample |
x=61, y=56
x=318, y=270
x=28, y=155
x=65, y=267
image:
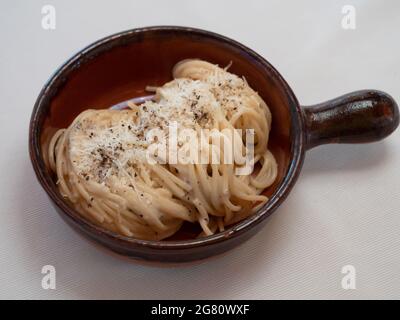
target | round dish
x=120, y=66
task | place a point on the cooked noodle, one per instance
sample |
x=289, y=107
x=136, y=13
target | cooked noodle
x=102, y=170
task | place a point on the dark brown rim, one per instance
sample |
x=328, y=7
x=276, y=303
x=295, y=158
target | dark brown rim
x=297, y=148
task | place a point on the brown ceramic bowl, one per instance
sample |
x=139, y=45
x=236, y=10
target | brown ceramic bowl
x=120, y=66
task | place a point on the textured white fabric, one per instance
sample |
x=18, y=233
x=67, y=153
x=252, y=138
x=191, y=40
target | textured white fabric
x=343, y=210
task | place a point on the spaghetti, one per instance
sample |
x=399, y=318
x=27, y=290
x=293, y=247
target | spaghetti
x=101, y=159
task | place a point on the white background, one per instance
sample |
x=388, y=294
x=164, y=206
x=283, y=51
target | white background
x=343, y=210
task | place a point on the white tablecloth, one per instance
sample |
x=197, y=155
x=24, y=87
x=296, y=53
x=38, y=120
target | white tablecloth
x=344, y=210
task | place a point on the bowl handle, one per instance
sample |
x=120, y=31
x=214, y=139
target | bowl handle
x=357, y=117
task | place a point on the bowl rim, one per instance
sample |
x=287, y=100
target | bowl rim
x=297, y=148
